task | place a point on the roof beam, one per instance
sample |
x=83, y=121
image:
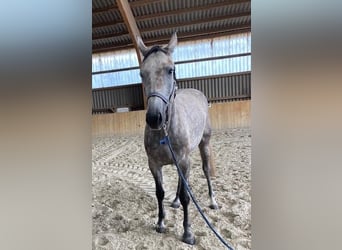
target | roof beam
x=176, y=25
x=126, y=13
x=133, y=30
x=174, y=12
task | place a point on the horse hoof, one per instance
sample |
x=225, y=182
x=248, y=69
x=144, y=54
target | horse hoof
x=189, y=239
x=214, y=206
x=160, y=229
x=175, y=203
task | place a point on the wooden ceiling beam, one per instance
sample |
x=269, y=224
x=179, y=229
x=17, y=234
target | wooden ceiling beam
x=126, y=13
x=181, y=38
x=173, y=12
x=133, y=30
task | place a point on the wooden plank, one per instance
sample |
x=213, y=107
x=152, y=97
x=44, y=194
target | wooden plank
x=222, y=116
x=118, y=123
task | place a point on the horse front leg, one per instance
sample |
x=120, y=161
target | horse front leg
x=156, y=171
x=188, y=236
x=176, y=203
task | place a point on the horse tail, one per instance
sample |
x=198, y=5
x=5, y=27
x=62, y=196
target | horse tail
x=212, y=163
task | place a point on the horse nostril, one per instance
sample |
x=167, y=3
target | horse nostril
x=160, y=118
x=154, y=120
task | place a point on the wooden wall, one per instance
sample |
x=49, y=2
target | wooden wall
x=222, y=115
x=230, y=114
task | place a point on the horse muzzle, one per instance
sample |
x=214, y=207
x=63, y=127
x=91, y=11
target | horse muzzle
x=154, y=120
x=157, y=111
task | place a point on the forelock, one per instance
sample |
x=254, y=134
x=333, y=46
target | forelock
x=156, y=60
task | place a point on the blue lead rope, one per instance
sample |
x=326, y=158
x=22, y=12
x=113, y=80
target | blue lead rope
x=166, y=140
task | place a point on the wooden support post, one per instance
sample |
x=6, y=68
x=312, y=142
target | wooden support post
x=130, y=23
x=133, y=30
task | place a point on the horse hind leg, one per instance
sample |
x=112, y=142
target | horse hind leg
x=156, y=171
x=208, y=167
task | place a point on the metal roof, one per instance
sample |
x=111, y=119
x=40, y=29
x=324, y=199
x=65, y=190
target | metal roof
x=158, y=19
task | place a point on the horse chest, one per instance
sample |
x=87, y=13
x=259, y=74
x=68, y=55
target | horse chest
x=161, y=153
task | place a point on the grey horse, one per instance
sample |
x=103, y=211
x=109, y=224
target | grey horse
x=183, y=114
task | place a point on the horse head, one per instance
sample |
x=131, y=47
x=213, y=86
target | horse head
x=157, y=72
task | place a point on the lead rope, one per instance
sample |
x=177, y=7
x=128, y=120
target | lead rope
x=166, y=140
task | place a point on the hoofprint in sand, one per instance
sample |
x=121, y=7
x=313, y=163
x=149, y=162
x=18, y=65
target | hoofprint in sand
x=124, y=207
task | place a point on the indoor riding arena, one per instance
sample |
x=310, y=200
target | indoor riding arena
x=213, y=55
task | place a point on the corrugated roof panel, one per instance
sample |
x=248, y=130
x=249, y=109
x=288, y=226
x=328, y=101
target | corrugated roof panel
x=161, y=18
x=198, y=27
x=110, y=30
x=100, y=4
x=106, y=17
x=191, y=16
x=165, y=6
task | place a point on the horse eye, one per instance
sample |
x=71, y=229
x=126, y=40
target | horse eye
x=170, y=71
x=141, y=75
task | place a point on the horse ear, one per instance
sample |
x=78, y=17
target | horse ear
x=172, y=44
x=142, y=47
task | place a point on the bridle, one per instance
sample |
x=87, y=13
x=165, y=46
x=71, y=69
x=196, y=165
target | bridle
x=166, y=100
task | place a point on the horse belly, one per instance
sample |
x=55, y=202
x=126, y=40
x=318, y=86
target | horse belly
x=196, y=131
x=192, y=114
